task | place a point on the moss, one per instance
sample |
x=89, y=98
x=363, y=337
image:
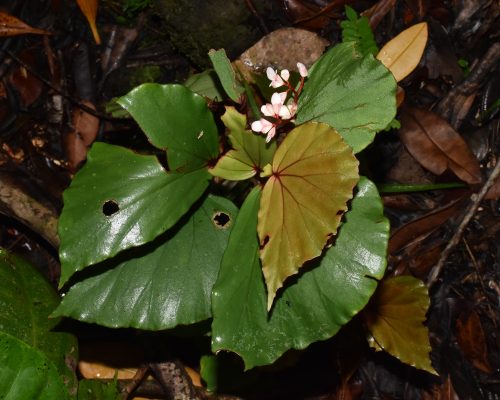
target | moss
x=196, y=26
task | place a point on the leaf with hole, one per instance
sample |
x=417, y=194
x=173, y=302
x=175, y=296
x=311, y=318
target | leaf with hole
x=352, y=93
x=250, y=151
x=25, y=373
x=27, y=300
x=395, y=319
x=313, y=175
x=316, y=303
x=177, y=120
x=165, y=283
x=402, y=54
x=118, y=200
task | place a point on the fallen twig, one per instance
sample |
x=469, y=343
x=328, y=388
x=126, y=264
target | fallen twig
x=476, y=200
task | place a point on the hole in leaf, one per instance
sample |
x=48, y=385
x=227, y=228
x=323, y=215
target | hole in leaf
x=221, y=220
x=110, y=207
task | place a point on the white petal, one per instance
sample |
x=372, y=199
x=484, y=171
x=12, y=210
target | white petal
x=270, y=134
x=257, y=126
x=271, y=73
x=302, y=69
x=285, y=74
x=276, y=99
x=284, y=113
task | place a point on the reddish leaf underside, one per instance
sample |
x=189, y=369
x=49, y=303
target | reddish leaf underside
x=313, y=176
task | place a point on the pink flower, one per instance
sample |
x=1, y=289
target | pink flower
x=266, y=127
x=276, y=80
x=288, y=111
x=302, y=70
x=273, y=109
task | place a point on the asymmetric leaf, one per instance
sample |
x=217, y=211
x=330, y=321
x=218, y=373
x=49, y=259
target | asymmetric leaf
x=313, y=175
x=25, y=373
x=26, y=300
x=402, y=54
x=118, y=200
x=251, y=152
x=177, y=120
x=395, y=319
x=354, y=94
x=315, y=305
x=162, y=284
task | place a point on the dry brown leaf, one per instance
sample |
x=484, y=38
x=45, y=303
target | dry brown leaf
x=437, y=146
x=472, y=342
x=12, y=26
x=85, y=129
x=89, y=9
x=402, y=54
x=420, y=228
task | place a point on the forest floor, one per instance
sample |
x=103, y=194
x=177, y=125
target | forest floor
x=53, y=95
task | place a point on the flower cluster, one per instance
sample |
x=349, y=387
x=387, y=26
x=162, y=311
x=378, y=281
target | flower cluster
x=279, y=110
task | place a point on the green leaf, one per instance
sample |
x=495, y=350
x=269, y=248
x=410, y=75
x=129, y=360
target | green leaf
x=316, y=304
x=27, y=299
x=395, y=319
x=163, y=284
x=356, y=95
x=226, y=74
x=251, y=152
x=26, y=373
x=177, y=120
x=206, y=84
x=313, y=175
x=209, y=372
x=92, y=389
x=118, y=200
x=357, y=29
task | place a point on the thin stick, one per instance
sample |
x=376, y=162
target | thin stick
x=476, y=200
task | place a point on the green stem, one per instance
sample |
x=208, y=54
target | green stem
x=411, y=187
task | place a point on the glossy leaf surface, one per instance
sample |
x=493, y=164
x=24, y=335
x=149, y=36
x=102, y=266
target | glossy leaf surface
x=26, y=300
x=402, y=54
x=353, y=94
x=396, y=318
x=313, y=307
x=226, y=74
x=163, y=284
x=118, y=200
x=25, y=373
x=313, y=175
x=250, y=151
x=177, y=120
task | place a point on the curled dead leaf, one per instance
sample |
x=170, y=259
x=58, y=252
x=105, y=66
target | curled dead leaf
x=12, y=26
x=89, y=10
x=402, y=54
x=437, y=146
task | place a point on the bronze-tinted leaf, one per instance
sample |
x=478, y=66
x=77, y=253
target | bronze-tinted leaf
x=437, y=146
x=12, y=26
x=395, y=319
x=313, y=175
x=89, y=9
